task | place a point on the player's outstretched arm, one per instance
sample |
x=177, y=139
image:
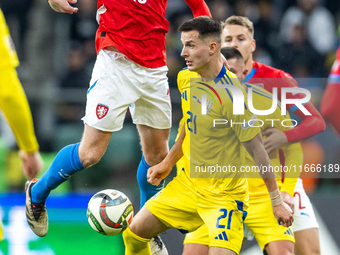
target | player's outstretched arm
x=63, y=6
x=198, y=8
x=281, y=210
x=32, y=163
x=310, y=125
x=160, y=171
x=20, y=120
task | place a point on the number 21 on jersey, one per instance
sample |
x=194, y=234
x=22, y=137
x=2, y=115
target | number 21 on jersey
x=191, y=122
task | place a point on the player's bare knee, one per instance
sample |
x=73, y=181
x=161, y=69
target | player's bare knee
x=155, y=157
x=279, y=248
x=90, y=158
x=135, y=227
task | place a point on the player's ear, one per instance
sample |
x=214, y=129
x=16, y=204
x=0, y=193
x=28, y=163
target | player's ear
x=212, y=48
x=253, y=45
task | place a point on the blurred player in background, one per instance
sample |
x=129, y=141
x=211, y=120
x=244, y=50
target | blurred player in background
x=130, y=70
x=238, y=32
x=218, y=199
x=260, y=221
x=15, y=107
x=330, y=104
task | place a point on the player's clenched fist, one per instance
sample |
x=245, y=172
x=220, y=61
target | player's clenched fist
x=63, y=6
x=284, y=214
x=157, y=173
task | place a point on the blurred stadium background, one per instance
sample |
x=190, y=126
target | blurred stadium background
x=57, y=54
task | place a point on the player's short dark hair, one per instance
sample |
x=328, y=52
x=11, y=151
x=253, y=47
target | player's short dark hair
x=231, y=52
x=240, y=21
x=206, y=27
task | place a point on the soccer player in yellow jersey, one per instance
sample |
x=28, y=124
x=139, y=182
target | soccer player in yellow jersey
x=271, y=236
x=14, y=105
x=218, y=199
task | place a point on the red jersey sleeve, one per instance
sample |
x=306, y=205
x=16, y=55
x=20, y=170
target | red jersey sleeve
x=330, y=103
x=198, y=8
x=311, y=124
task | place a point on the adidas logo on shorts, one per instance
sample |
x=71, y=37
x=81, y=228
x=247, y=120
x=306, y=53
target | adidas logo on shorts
x=222, y=236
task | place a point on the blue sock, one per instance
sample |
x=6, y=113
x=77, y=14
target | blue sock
x=64, y=165
x=147, y=190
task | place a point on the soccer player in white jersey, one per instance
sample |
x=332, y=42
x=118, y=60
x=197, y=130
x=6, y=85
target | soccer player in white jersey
x=130, y=72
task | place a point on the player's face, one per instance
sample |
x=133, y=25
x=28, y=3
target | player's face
x=240, y=38
x=195, y=51
x=236, y=66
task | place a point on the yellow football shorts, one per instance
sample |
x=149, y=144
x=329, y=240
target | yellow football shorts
x=178, y=205
x=200, y=236
x=260, y=220
x=263, y=224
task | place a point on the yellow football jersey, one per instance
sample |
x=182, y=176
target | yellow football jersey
x=8, y=55
x=212, y=146
x=262, y=100
x=263, y=225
